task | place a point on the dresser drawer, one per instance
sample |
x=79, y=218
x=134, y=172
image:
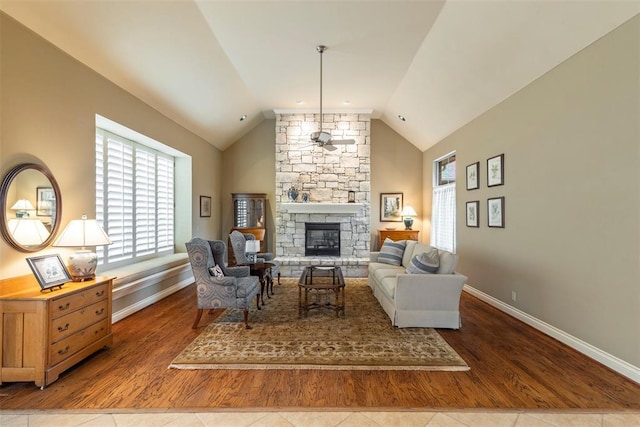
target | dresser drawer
x=73, y=322
x=67, y=304
x=67, y=347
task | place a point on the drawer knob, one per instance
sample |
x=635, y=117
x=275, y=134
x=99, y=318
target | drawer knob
x=100, y=294
x=61, y=328
x=99, y=312
x=63, y=351
x=64, y=307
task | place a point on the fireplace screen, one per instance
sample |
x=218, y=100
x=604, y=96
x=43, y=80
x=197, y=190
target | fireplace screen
x=322, y=238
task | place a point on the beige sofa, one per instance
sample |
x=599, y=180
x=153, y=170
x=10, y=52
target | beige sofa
x=418, y=300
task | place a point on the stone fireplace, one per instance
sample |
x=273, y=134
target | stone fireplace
x=326, y=176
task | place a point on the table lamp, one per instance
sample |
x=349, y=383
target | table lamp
x=22, y=208
x=408, y=212
x=27, y=231
x=82, y=233
x=252, y=247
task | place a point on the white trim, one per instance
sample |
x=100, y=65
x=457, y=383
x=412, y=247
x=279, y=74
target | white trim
x=624, y=368
x=338, y=208
x=152, y=299
x=145, y=281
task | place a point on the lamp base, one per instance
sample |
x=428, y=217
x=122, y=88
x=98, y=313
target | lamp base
x=408, y=223
x=82, y=266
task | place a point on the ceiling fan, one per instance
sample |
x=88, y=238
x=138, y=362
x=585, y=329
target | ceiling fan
x=321, y=138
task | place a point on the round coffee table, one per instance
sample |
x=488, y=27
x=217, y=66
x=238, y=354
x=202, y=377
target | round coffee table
x=321, y=281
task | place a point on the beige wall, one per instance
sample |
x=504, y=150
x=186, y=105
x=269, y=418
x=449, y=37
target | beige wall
x=47, y=116
x=570, y=249
x=396, y=167
x=388, y=150
x=248, y=166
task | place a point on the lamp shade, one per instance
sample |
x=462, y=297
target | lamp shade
x=408, y=211
x=27, y=231
x=82, y=233
x=252, y=246
x=22, y=204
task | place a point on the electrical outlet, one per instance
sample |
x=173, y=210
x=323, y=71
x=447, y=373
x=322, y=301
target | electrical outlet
x=513, y=296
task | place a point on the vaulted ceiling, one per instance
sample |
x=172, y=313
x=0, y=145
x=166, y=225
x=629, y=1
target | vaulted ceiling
x=206, y=63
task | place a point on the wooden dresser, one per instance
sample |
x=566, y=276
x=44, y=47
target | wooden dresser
x=44, y=333
x=396, y=235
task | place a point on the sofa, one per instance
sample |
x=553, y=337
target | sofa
x=411, y=296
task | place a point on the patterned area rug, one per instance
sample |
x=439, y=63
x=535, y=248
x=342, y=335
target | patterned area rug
x=279, y=339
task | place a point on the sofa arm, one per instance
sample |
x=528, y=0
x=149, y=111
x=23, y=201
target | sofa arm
x=429, y=291
x=373, y=256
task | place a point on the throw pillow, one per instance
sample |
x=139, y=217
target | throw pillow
x=424, y=263
x=391, y=252
x=216, y=271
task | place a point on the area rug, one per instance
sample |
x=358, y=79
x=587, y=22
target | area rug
x=363, y=340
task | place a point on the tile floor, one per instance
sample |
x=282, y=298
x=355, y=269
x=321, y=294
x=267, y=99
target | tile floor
x=88, y=418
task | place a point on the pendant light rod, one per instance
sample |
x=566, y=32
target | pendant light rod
x=321, y=49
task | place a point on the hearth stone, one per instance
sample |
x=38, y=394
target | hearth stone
x=351, y=266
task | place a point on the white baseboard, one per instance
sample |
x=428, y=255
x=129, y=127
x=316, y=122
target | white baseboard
x=624, y=368
x=129, y=310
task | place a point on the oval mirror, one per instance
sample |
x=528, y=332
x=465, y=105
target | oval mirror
x=31, y=207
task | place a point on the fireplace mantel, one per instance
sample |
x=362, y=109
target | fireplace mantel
x=321, y=208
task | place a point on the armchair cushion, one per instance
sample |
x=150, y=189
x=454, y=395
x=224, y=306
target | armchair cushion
x=216, y=271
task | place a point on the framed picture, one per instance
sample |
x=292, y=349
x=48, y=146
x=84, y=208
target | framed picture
x=205, y=206
x=495, y=212
x=49, y=270
x=473, y=214
x=45, y=201
x=495, y=171
x=473, y=170
x=390, y=207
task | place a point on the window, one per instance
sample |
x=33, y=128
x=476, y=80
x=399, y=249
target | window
x=443, y=210
x=134, y=199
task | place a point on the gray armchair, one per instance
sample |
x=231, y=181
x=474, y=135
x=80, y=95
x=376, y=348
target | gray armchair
x=238, y=244
x=235, y=290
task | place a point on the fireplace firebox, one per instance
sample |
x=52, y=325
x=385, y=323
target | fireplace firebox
x=322, y=238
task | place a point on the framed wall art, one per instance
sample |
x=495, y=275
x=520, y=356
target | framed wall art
x=473, y=213
x=45, y=201
x=473, y=172
x=205, y=206
x=495, y=170
x=495, y=212
x=49, y=271
x=390, y=207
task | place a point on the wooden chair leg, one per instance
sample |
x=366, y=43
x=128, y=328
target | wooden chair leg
x=198, y=316
x=245, y=314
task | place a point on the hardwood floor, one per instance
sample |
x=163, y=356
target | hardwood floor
x=512, y=367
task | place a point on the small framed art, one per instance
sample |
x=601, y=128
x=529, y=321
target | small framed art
x=473, y=214
x=205, y=206
x=49, y=271
x=390, y=207
x=473, y=170
x=45, y=201
x=495, y=212
x=495, y=171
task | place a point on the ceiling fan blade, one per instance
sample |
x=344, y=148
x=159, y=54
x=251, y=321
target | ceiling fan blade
x=329, y=147
x=342, y=141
